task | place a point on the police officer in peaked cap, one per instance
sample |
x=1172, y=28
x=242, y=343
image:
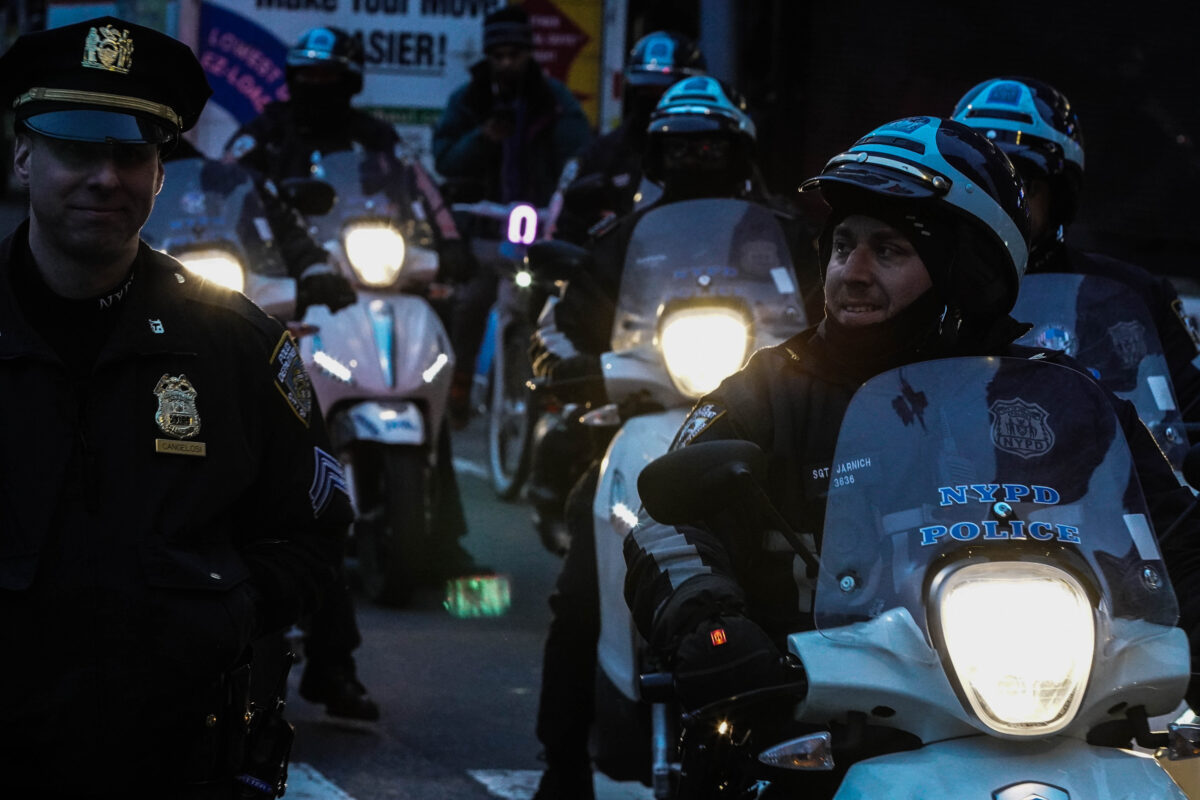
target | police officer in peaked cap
x=166, y=495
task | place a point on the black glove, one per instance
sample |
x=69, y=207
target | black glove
x=722, y=657
x=574, y=368
x=321, y=288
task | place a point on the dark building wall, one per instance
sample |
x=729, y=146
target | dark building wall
x=820, y=74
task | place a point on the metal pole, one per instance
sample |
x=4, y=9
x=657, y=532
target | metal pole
x=719, y=38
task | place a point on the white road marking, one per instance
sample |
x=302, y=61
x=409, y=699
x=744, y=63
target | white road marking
x=520, y=784
x=305, y=783
x=465, y=467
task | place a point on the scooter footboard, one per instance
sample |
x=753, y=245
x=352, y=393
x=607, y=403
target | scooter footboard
x=995, y=769
x=641, y=440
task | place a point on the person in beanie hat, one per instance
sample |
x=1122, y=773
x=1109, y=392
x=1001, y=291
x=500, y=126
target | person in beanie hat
x=185, y=503
x=504, y=136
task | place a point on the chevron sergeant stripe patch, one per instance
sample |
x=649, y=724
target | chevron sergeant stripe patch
x=327, y=478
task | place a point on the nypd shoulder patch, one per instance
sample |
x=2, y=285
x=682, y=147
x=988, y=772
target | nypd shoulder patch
x=291, y=379
x=697, y=422
x=327, y=479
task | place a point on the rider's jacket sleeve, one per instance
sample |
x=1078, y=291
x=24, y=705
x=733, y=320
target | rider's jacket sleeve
x=679, y=576
x=297, y=248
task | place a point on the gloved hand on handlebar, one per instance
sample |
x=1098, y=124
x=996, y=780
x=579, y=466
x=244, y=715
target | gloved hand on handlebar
x=724, y=656
x=320, y=285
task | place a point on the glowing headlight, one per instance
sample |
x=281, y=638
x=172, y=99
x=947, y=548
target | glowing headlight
x=218, y=266
x=375, y=250
x=702, y=346
x=1020, y=637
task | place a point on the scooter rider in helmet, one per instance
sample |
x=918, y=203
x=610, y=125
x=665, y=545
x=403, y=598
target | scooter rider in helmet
x=324, y=72
x=1036, y=127
x=922, y=253
x=609, y=170
x=700, y=145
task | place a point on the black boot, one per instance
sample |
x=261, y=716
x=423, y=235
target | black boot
x=566, y=783
x=338, y=689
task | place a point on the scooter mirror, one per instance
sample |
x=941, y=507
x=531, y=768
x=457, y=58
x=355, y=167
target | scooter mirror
x=689, y=483
x=309, y=196
x=555, y=260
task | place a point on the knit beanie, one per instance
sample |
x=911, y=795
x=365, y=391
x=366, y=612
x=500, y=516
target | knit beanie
x=507, y=26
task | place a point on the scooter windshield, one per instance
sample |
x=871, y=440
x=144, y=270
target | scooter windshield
x=979, y=460
x=1093, y=320
x=365, y=185
x=206, y=203
x=720, y=252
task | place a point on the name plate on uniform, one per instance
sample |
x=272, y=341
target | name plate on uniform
x=180, y=448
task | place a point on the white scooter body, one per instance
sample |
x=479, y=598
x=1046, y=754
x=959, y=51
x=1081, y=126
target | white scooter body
x=381, y=368
x=675, y=240
x=892, y=667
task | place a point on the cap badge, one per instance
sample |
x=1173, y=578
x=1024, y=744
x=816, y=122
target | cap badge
x=177, y=415
x=108, y=48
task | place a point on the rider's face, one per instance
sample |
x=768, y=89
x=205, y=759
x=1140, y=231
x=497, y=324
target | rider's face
x=873, y=274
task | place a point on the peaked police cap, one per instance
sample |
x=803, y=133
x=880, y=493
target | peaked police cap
x=103, y=80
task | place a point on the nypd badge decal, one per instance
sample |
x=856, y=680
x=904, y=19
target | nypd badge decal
x=177, y=416
x=1021, y=428
x=290, y=378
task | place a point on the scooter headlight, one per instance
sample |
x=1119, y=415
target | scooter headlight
x=375, y=251
x=219, y=266
x=702, y=346
x=1020, y=638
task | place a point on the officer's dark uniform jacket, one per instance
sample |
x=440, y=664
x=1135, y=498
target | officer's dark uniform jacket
x=1161, y=300
x=790, y=400
x=146, y=538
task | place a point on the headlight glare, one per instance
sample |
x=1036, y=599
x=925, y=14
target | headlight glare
x=1020, y=638
x=702, y=346
x=375, y=251
x=219, y=266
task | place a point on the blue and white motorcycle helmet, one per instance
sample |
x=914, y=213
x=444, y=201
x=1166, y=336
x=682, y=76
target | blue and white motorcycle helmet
x=698, y=106
x=1036, y=127
x=329, y=46
x=956, y=180
x=663, y=58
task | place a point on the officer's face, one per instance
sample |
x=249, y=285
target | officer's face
x=87, y=200
x=873, y=274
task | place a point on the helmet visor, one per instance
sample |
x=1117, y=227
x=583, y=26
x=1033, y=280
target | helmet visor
x=881, y=175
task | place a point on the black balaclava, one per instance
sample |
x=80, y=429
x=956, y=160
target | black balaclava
x=321, y=107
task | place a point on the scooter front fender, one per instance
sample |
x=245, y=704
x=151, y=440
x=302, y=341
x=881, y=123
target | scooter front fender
x=614, y=509
x=382, y=421
x=995, y=769
x=385, y=347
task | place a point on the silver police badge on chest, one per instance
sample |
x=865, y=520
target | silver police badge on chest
x=177, y=416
